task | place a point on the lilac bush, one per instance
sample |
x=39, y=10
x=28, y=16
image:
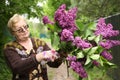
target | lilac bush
x=87, y=47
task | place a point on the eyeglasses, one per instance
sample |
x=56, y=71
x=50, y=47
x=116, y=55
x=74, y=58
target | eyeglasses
x=22, y=29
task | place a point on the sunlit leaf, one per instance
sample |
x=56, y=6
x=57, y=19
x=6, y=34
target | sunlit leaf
x=111, y=64
x=80, y=55
x=95, y=56
x=101, y=61
x=98, y=38
x=91, y=37
x=86, y=50
x=51, y=27
x=92, y=25
x=88, y=60
x=92, y=50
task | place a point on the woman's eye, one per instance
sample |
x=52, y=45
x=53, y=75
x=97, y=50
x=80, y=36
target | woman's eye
x=20, y=30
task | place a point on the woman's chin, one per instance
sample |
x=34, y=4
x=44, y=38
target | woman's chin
x=24, y=38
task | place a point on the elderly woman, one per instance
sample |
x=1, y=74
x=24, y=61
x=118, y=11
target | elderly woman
x=27, y=57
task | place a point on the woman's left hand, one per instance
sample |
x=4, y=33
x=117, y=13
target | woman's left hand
x=50, y=55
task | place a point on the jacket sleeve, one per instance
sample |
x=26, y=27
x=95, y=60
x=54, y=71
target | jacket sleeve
x=17, y=64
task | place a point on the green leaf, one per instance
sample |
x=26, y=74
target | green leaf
x=77, y=33
x=108, y=64
x=80, y=55
x=51, y=27
x=92, y=25
x=51, y=37
x=57, y=27
x=88, y=60
x=92, y=50
x=111, y=64
x=88, y=32
x=98, y=38
x=89, y=77
x=95, y=56
x=80, y=25
x=101, y=61
x=55, y=40
x=86, y=50
x=91, y=37
x=100, y=49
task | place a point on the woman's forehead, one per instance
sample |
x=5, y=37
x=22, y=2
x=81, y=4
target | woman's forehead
x=20, y=23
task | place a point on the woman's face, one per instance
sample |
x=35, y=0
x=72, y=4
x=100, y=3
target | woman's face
x=21, y=30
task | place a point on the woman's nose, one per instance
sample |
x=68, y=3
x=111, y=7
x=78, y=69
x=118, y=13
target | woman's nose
x=23, y=29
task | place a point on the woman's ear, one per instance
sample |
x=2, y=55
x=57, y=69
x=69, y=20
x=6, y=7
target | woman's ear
x=13, y=34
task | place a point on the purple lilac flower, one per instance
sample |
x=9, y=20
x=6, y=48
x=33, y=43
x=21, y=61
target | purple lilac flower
x=72, y=13
x=46, y=20
x=106, y=30
x=78, y=68
x=81, y=43
x=95, y=63
x=71, y=58
x=60, y=13
x=109, y=43
x=66, y=19
x=72, y=27
x=66, y=35
x=106, y=55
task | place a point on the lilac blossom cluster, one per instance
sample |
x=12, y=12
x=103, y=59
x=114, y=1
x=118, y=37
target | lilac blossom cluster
x=94, y=62
x=66, y=19
x=106, y=30
x=106, y=55
x=66, y=35
x=71, y=58
x=77, y=66
x=46, y=20
x=81, y=43
x=109, y=43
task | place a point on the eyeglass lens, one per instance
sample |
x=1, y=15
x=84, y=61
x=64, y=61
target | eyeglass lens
x=22, y=29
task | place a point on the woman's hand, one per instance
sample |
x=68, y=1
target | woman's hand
x=49, y=55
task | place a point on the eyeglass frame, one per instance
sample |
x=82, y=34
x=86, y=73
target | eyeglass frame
x=21, y=29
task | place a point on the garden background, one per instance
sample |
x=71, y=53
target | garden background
x=34, y=10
